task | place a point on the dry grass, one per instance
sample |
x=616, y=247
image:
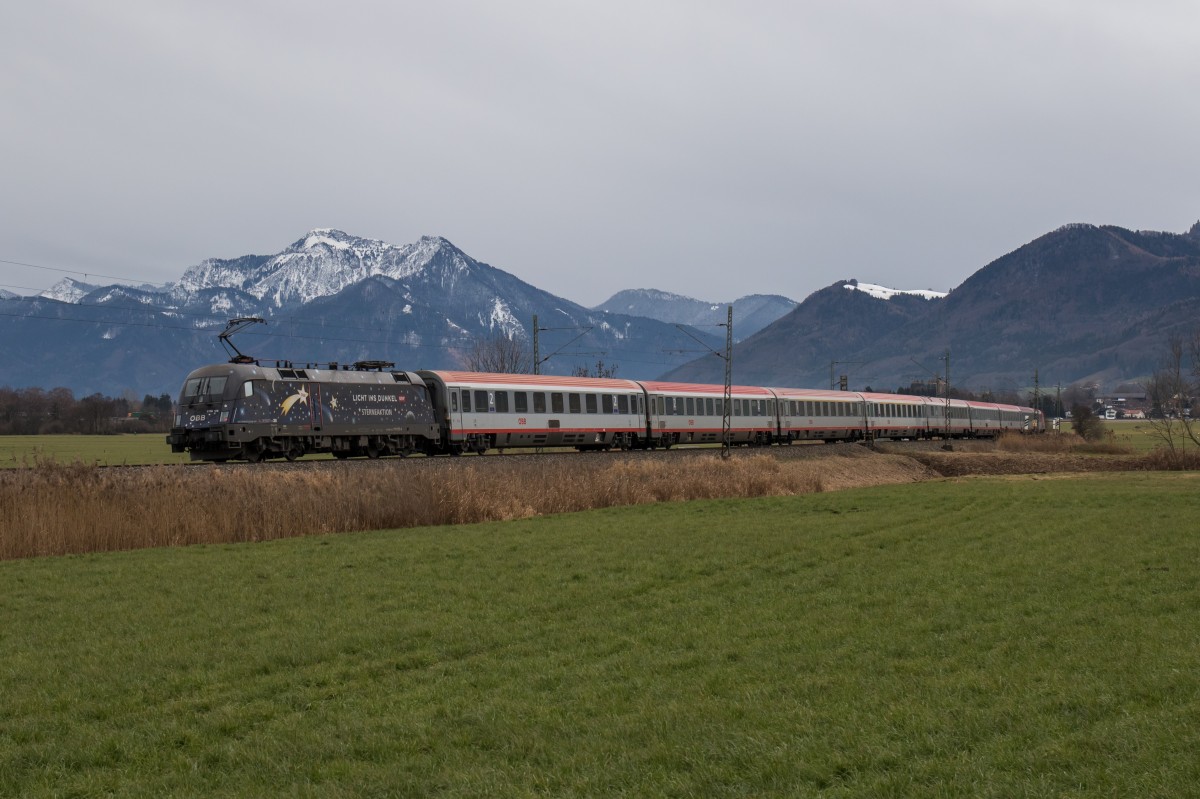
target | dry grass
x=54, y=509
x=1062, y=443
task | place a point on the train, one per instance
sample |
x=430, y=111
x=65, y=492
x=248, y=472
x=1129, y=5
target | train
x=244, y=410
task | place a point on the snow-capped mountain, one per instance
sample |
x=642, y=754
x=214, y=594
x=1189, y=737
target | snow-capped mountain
x=329, y=296
x=321, y=264
x=68, y=290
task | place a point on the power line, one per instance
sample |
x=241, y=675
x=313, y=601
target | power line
x=76, y=272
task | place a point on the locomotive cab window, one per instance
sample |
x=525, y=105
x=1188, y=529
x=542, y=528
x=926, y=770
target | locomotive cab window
x=203, y=389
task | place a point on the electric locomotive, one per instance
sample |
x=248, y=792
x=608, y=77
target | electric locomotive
x=245, y=411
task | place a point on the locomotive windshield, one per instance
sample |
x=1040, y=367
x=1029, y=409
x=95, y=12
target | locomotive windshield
x=202, y=389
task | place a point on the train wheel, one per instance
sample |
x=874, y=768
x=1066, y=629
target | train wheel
x=373, y=451
x=295, y=451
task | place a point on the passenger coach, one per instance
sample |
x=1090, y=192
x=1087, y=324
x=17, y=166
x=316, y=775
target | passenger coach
x=689, y=413
x=482, y=411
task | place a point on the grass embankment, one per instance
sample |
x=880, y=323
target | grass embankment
x=55, y=509
x=998, y=637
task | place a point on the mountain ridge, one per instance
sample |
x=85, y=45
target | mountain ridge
x=1090, y=303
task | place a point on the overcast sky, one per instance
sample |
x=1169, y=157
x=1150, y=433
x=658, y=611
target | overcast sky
x=710, y=149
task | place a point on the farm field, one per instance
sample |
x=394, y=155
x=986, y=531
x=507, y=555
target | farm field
x=116, y=450
x=1137, y=435
x=980, y=637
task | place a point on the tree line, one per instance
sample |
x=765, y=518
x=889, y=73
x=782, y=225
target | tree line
x=36, y=411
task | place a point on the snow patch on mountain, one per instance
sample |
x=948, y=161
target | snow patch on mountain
x=501, y=317
x=885, y=293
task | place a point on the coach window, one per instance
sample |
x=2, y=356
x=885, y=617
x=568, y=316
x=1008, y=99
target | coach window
x=573, y=403
x=520, y=402
x=556, y=402
x=501, y=402
x=466, y=401
x=661, y=405
x=539, y=402
x=589, y=403
x=623, y=403
x=690, y=406
x=708, y=406
x=481, y=401
x=606, y=403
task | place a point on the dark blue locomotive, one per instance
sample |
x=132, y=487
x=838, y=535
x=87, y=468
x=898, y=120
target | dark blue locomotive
x=245, y=411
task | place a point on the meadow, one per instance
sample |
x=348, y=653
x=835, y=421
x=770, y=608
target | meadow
x=990, y=637
x=127, y=449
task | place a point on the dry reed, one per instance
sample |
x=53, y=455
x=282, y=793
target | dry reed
x=54, y=509
x=1060, y=443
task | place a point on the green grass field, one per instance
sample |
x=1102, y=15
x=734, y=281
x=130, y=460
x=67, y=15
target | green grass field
x=127, y=449
x=985, y=637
